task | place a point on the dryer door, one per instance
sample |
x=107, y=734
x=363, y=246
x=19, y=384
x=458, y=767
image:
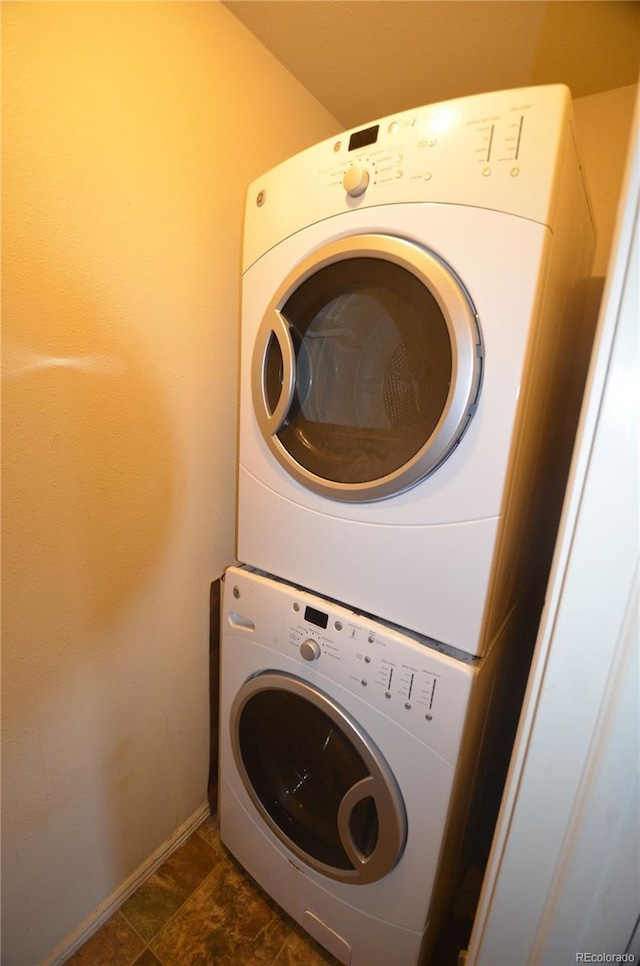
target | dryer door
x=367, y=368
x=317, y=779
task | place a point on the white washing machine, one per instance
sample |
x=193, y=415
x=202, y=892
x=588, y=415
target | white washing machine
x=412, y=360
x=348, y=758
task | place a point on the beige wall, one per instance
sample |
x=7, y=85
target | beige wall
x=603, y=127
x=130, y=133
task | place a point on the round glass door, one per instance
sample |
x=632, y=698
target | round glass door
x=316, y=778
x=367, y=368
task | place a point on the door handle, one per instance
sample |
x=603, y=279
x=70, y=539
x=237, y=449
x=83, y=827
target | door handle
x=271, y=421
x=390, y=841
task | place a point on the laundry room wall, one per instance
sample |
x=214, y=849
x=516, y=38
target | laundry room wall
x=603, y=127
x=130, y=133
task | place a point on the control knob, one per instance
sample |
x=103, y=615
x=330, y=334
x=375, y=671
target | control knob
x=356, y=180
x=310, y=650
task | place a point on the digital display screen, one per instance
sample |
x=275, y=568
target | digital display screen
x=359, y=139
x=316, y=617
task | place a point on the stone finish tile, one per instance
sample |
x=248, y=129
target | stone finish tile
x=147, y=959
x=209, y=830
x=229, y=921
x=114, y=944
x=302, y=950
x=164, y=892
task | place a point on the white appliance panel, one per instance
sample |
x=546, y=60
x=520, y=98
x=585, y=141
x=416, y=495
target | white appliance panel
x=439, y=575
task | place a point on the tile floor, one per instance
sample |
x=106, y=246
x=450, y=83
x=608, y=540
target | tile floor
x=200, y=908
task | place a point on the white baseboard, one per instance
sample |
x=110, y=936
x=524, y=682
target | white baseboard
x=105, y=910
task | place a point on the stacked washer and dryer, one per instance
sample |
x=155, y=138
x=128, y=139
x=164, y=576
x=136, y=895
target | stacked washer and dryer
x=413, y=354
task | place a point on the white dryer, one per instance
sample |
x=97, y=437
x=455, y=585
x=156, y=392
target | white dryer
x=348, y=755
x=412, y=360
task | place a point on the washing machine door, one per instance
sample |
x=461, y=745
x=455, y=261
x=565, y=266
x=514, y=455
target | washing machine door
x=317, y=779
x=367, y=368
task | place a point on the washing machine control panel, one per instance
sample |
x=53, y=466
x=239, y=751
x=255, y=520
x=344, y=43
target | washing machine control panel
x=346, y=654
x=404, y=676
x=371, y=661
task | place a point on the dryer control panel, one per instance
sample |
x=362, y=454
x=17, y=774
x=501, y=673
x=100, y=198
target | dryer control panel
x=404, y=676
x=423, y=145
x=501, y=151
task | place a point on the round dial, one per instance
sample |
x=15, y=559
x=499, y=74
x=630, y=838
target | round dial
x=310, y=650
x=355, y=180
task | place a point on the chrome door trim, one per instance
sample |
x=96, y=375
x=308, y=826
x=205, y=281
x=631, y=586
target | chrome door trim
x=379, y=784
x=467, y=362
x=272, y=421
